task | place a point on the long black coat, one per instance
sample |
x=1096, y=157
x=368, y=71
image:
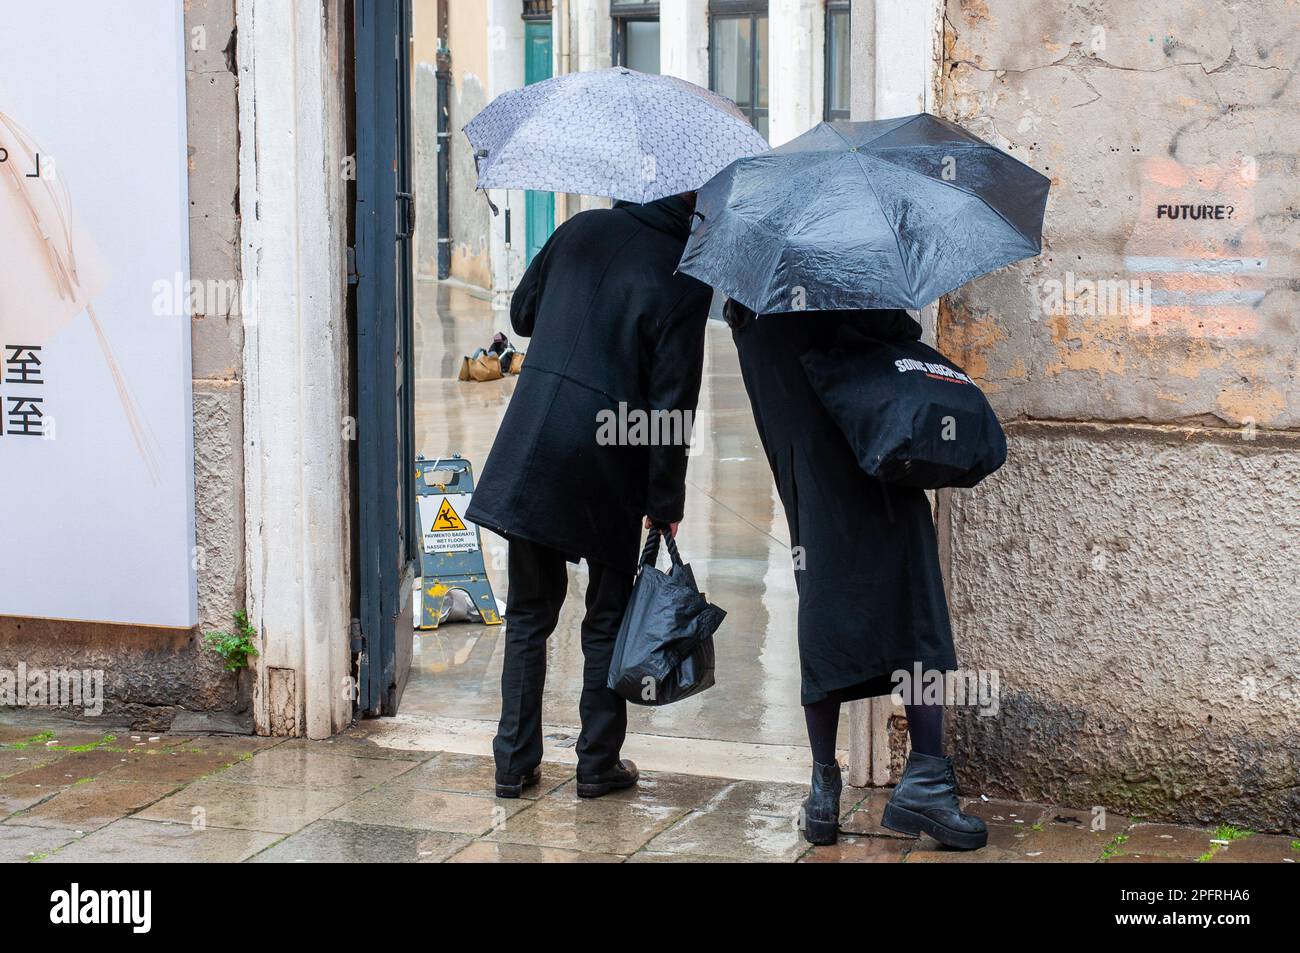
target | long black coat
x=871, y=598
x=611, y=324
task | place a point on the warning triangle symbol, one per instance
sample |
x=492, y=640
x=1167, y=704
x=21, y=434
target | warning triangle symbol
x=447, y=520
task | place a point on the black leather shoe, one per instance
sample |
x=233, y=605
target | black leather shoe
x=623, y=775
x=819, y=817
x=513, y=785
x=925, y=802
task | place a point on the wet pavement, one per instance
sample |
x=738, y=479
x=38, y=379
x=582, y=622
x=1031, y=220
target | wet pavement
x=734, y=536
x=69, y=796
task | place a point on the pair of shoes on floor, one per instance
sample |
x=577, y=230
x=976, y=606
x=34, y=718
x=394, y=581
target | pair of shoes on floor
x=924, y=802
x=622, y=775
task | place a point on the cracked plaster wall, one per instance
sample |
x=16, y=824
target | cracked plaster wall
x=1132, y=572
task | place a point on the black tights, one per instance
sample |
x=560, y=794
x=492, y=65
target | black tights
x=924, y=725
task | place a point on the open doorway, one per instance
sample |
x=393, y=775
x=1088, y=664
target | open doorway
x=465, y=262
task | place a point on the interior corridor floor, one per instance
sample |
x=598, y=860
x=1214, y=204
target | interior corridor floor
x=734, y=536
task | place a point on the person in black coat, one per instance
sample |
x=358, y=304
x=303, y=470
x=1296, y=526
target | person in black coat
x=866, y=561
x=594, y=441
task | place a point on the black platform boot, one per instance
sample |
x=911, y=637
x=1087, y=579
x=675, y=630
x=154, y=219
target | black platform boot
x=925, y=801
x=819, y=817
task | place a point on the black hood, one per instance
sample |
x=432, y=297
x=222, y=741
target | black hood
x=671, y=215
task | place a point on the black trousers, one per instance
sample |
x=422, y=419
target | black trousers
x=539, y=580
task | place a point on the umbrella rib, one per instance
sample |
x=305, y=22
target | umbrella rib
x=879, y=135
x=636, y=130
x=981, y=144
x=952, y=185
x=902, y=262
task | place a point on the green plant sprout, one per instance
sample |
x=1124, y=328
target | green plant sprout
x=235, y=647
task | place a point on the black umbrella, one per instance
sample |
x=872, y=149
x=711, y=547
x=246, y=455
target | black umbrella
x=884, y=214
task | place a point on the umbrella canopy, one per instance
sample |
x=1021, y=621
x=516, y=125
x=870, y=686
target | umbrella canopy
x=884, y=214
x=612, y=132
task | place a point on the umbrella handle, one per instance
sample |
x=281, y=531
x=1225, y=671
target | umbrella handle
x=482, y=154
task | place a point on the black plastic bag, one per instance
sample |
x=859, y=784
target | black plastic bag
x=912, y=417
x=664, y=651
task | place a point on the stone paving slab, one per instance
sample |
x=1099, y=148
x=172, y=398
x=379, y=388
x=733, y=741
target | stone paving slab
x=143, y=742
x=87, y=807
x=21, y=844
x=180, y=767
x=744, y=837
x=217, y=803
x=865, y=818
x=935, y=853
x=421, y=809
x=662, y=857
x=314, y=770
x=17, y=760
x=476, y=774
x=71, y=768
x=1166, y=840
x=343, y=842
x=1259, y=848
x=15, y=799
x=131, y=840
x=494, y=852
x=775, y=799
x=60, y=738
x=1084, y=820
x=603, y=827
x=684, y=791
x=15, y=734
x=237, y=746
x=1148, y=859
x=853, y=849
x=353, y=742
x=1011, y=813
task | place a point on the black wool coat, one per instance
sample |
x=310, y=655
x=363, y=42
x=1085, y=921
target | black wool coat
x=871, y=597
x=616, y=333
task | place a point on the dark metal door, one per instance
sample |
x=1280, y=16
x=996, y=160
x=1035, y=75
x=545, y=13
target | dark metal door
x=384, y=217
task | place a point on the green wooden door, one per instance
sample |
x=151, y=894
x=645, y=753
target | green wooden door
x=539, y=207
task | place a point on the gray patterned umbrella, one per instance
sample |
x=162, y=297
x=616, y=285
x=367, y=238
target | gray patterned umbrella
x=612, y=132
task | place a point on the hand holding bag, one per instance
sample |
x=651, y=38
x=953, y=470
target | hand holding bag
x=664, y=650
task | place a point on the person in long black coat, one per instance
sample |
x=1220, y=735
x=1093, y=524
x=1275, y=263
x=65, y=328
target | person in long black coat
x=865, y=556
x=594, y=442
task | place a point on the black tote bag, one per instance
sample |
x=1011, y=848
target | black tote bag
x=664, y=650
x=912, y=417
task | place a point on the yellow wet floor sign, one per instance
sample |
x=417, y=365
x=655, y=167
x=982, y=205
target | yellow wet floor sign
x=452, y=555
x=444, y=527
x=447, y=519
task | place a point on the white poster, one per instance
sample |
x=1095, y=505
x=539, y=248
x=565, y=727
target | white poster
x=96, y=442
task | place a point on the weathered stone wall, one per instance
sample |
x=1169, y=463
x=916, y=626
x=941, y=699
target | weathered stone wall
x=151, y=674
x=1132, y=572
